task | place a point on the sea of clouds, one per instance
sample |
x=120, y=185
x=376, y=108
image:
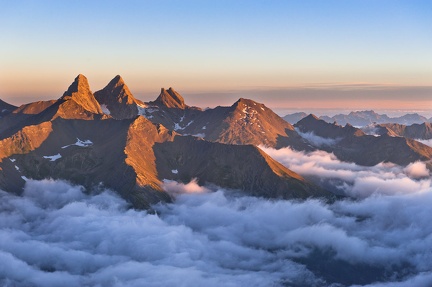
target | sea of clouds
x=56, y=234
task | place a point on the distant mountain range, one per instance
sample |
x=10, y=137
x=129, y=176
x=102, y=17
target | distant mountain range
x=415, y=131
x=363, y=118
x=111, y=139
x=353, y=145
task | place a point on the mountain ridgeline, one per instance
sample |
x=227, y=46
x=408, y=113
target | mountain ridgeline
x=112, y=140
x=363, y=118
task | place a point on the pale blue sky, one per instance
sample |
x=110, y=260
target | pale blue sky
x=219, y=45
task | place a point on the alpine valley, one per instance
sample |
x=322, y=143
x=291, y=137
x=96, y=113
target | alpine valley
x=112, y=140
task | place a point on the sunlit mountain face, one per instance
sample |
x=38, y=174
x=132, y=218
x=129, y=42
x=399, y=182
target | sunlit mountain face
x=103, y=189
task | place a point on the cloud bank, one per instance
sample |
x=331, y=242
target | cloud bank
x=354, y=180
x=55, y=234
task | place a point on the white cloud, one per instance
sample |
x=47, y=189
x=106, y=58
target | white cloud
x=352, y=179
x=56, y=234
x=417, y=170
x=317, y=140
x=175, y=188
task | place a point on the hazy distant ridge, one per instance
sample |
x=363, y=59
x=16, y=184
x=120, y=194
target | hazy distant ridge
x=363, y=118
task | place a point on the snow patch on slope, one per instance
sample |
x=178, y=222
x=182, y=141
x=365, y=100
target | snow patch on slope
x=80, y=143
x=53, y=157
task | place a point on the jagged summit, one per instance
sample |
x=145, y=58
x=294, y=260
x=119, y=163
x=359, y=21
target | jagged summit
x=79, y=92
x=170, y=99
x=79, y=85
x=117, y=88
x=118, y=80
x=117, y=100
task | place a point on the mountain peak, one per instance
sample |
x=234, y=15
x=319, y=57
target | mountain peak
x=79, y=85
x=79, y=91
x=118, y=99
x=116, y=82
x=321, y=128
x=245, y=101
x=170, y=99
x=242, y=103
x=311, y=117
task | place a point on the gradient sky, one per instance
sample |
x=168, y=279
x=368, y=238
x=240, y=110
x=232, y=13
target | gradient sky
x=210, y=49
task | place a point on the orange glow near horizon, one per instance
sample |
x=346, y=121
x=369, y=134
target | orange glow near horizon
x=355, y=96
